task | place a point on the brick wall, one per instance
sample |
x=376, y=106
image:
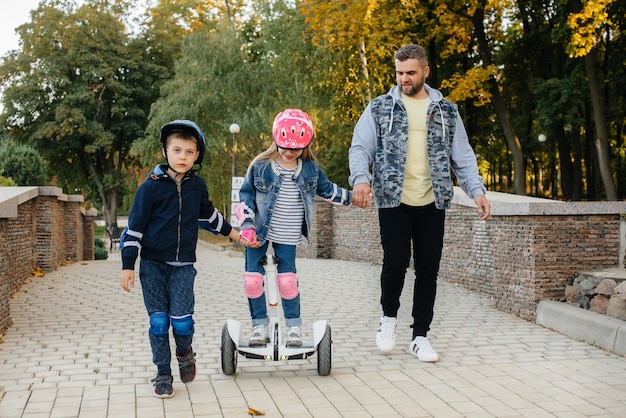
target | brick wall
x=40, y=227
x=520, y=260
x=526, y=252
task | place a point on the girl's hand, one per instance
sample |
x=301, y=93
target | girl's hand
x=250, y=241
x=247, y=237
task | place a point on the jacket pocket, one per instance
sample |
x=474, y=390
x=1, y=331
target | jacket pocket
x=310, y=184
x=262, y=185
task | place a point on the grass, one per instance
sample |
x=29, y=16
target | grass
x=99, y=231
x=218, y=239
x=221, y=240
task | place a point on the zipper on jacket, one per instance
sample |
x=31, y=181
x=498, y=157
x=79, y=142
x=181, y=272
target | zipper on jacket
x=180, y=214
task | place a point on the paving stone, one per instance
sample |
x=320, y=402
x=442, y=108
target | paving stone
x=79, y=348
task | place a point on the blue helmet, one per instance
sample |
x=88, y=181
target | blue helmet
x=187, y=126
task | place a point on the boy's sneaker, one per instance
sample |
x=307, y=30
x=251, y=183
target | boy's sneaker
x=259, y=336
x=163, y=386
x=386, y=335
x=294, y=336
x=187, y=366
x=420, y=347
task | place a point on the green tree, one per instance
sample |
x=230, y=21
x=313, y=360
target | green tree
x=79, y=90
x=242, y=71
x=588, y=27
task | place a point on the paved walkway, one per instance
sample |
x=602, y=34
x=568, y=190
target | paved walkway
x=78, y=348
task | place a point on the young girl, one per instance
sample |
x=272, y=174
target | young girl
x=277, y=206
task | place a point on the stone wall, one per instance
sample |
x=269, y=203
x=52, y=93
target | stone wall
x=529, y=250
x=520, y=260
x=40, y=227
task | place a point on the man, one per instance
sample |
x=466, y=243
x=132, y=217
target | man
x=415, y=140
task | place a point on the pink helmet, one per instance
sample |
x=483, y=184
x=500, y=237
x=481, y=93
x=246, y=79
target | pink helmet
x=293, y=129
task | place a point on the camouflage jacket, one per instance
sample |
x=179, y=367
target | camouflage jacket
x=380, y=139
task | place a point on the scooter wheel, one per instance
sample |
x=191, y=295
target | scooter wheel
x=324, y=353
x=229, y=354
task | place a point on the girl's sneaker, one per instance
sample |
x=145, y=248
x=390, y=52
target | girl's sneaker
x=294, y=336
x=163, y=386
x=260, y=336
x=187, y=366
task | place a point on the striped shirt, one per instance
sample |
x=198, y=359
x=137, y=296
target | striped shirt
x=288, y=216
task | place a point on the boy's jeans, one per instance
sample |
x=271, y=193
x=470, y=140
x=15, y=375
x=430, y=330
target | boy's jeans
x=167, y=289
x=258, y=307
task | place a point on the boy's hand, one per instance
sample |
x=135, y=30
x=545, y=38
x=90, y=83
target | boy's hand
x=247, y=238
x=127, y=279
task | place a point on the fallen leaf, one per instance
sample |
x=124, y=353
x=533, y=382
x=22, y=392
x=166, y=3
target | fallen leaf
x=38, y=272
x=255, y=412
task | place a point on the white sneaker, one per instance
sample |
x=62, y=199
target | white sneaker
x=386, y=335
x=420, y=347
x=294, y=336
x=260, y=336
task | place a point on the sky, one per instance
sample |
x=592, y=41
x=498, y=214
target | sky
x=14, y=13
x=17, y=12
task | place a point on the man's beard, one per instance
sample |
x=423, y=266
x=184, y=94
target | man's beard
x=413, y=89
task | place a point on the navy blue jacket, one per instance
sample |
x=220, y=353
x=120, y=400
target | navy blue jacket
x=164, y=219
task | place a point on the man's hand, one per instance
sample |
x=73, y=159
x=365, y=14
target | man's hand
x=484, y=208
x=362, y=195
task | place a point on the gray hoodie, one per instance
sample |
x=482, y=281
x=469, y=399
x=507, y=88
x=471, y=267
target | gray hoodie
x=380, y=139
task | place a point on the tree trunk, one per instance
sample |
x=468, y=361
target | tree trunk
x=602, y=139
x=365, y=71
x=519, y=173
x=108, y=197
x=577, y=175
x=565, y=162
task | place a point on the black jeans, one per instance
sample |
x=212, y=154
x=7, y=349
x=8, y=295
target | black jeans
x=423, y=227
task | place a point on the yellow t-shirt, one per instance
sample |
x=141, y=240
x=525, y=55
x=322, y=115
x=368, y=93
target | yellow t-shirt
x=418, y=187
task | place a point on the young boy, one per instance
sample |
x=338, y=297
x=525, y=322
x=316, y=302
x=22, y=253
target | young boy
x=163, y=223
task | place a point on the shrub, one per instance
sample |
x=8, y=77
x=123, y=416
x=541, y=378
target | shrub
x=100, y=253
x=23, y=164
x=6, y=182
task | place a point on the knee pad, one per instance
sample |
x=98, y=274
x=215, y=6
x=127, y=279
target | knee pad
x=253, y=284
x=183, y=325
x=287, y=285
x=159, y=324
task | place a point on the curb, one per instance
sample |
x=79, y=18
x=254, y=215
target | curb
x=588, y=326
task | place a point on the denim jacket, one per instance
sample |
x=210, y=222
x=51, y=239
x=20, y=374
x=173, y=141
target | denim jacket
x=380, y=139
x=259, y=192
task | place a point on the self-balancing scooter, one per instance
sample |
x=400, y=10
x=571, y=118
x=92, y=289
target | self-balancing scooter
x=276, y=349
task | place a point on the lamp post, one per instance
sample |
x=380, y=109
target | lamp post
x=543, y=138
x=234, y=129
